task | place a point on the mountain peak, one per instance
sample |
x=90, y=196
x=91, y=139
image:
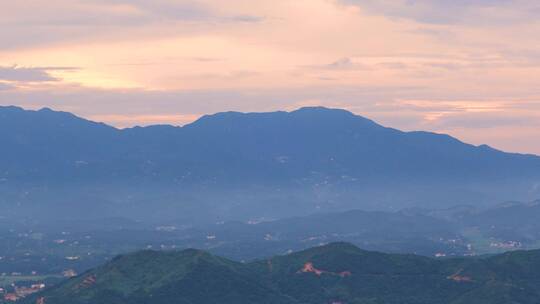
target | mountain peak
x=10, y=109
x=46, y=120
x=321, y=109
x=316, y=118
x=155, y=254
x=332, y=249
x=46, y=110
x=339, y=246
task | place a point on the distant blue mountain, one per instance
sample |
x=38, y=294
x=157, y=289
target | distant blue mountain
x=242, y=165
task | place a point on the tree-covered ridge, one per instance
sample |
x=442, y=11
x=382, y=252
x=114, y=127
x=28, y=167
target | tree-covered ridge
x=335, y=273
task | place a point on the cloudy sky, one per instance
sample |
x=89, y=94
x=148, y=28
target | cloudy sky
x=470, y=68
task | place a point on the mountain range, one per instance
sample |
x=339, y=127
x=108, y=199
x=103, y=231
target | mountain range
x=334, y=273
x=238, y=166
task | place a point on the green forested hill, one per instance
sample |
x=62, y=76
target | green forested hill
x=335, y=273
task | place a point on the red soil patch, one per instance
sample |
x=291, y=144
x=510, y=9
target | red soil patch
x=309, y=268
x=457, y=277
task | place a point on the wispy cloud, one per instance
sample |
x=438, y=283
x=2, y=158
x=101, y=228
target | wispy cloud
x=5, y=86
x=345, y=63
x=467, y=12
x=60, y=21
x=26, y=74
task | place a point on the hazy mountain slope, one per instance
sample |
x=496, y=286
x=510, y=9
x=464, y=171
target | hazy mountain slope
x=381, y=231
x=254, y=164
x=41, y=145
x=291, y=144
x=334, y=273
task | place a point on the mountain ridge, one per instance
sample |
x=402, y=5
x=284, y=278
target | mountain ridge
x=233, y=114
x=307, y=159
x=337, y=272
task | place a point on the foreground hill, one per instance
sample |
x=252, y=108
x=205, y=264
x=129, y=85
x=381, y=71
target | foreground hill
x=54, y=164
x=335, y=273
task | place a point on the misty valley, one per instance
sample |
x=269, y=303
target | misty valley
x=315, y=205
x=270, y=152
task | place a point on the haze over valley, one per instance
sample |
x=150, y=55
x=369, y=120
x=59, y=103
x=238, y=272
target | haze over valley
x=248, y=186
x=270, y=152
x=244, y=166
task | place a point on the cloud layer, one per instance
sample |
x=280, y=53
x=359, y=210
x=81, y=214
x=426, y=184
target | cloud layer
x=457, y=12
x=29, y=74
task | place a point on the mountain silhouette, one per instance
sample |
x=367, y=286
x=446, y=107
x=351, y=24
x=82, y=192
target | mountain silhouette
x=241, y=165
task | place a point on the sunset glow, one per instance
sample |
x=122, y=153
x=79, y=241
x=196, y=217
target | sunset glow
x=467, y=68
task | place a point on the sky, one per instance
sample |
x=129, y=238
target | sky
x=469, y=68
